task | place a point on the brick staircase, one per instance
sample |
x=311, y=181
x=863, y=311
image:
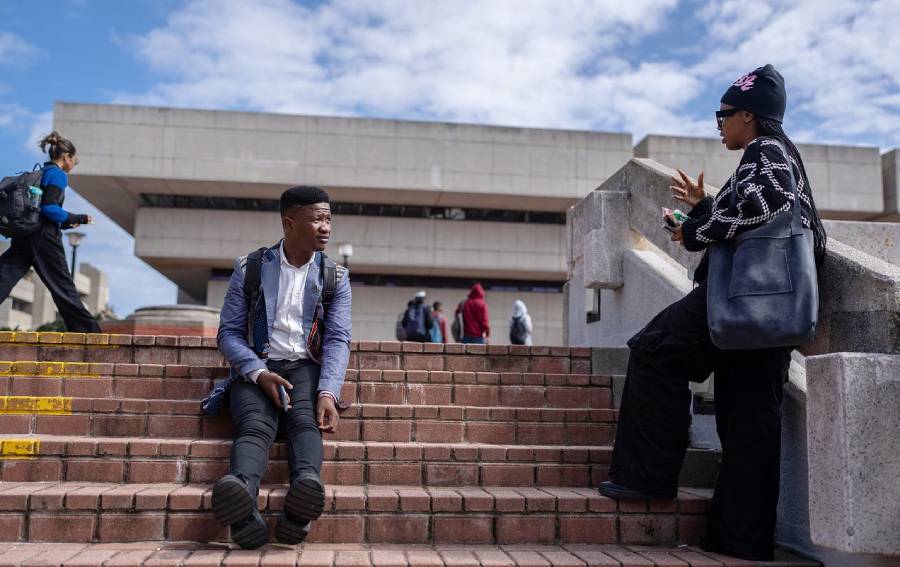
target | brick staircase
x=450, y=455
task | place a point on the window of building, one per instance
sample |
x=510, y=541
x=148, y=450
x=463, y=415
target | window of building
x=356, y=209
x=592, y=303
x=19, y=305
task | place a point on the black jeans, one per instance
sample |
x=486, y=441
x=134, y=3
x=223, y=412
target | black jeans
x=44, y=250
x=654, y=422
x=256, y=422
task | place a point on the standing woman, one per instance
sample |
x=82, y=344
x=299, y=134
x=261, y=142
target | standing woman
x=43, y=248
x=675, y=347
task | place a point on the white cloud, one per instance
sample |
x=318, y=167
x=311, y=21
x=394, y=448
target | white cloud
x=530, y=63
x=41, y=125
x=16, y=52
x=838, y=59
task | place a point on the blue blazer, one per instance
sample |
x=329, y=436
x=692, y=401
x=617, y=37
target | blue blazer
x=233, y=340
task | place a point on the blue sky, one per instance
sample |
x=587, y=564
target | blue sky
x=645, y=66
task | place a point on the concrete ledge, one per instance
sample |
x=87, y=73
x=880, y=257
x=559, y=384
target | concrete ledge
x=853, y=428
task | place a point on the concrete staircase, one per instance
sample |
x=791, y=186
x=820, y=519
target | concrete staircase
x=450, y=455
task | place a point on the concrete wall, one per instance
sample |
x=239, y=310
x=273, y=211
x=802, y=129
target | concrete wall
x=123, y=148
x=890, y=176
x=375, y=310
x=880, y=239
x=380, y=244
x=846, y=180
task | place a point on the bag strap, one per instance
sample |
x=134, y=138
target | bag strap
x=252, y=281
x=329, y=281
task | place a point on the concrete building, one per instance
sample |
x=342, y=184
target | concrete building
x=30, y=304
x=426, y=205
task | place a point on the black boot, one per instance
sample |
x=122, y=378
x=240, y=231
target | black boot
x=234, y=506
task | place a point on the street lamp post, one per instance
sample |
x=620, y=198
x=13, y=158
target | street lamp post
x=75, y=239
x=346, y=250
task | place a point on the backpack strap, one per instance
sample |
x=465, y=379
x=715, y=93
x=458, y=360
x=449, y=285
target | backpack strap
x=331, y=273
x=252, y=282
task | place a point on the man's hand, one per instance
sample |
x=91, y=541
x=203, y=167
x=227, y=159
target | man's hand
x=678, y=235
x=326, y=414
x=269, y=382
x=685, y=190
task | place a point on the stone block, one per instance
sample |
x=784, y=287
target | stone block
x=854, y=474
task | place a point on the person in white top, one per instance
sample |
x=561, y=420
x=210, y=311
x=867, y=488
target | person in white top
x=264, y=334
x=520, y=327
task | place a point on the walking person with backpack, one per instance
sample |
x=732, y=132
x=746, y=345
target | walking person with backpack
x=285, y=331
x=756, y=299
x=472, y=319
x=417, y=320
x=520, y=327
x=32, y=215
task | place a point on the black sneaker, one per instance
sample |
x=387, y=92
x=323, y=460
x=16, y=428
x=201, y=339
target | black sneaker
x=612, y=489
x=233, y=506
x=305, y=499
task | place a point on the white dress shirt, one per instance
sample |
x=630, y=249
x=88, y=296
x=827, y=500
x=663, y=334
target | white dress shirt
x=288, y=339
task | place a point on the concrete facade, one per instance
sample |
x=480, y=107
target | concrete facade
x=846, y=180
x=890, y=177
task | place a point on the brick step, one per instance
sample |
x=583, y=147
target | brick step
x=23, y=369
x=98, y=418
x=387, y=355
x=389, y=409
x=173, y=390
x=84, y=512
x=374, y=555
x=80, y=459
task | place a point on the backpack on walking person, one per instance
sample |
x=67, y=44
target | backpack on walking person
x=20, y=203
x=456, y=328
x=518, y=331
x=415, y=321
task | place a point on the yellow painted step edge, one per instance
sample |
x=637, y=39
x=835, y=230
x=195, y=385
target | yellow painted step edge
x=19, y=448
x=50, y=405
x=27, y=368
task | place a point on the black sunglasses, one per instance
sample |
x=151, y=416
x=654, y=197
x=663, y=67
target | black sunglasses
x=721, y=115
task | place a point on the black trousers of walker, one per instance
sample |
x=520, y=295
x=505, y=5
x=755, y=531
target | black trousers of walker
x=256, y=421
x=654, y=423
x=44, y=250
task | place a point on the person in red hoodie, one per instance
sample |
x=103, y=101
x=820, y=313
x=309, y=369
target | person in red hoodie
x=475, y=317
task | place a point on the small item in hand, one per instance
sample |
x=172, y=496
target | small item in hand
x=672, y=218
x=285, y=399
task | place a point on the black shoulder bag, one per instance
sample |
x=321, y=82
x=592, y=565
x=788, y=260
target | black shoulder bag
x=762, y=289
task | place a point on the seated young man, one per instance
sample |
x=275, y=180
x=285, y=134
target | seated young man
x=279, y=352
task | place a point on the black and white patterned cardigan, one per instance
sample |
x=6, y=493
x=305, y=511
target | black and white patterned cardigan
x=762, y=183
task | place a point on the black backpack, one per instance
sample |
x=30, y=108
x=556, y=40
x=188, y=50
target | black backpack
x=518, y=331
x=415, y=321
x=20, y=203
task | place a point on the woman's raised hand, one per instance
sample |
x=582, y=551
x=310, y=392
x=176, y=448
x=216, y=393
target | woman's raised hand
x=686, y=190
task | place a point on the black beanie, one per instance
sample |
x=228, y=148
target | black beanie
x=760, y=92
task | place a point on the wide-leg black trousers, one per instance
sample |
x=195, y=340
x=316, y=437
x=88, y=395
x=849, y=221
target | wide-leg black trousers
x=44, y=250
x=654, y=422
